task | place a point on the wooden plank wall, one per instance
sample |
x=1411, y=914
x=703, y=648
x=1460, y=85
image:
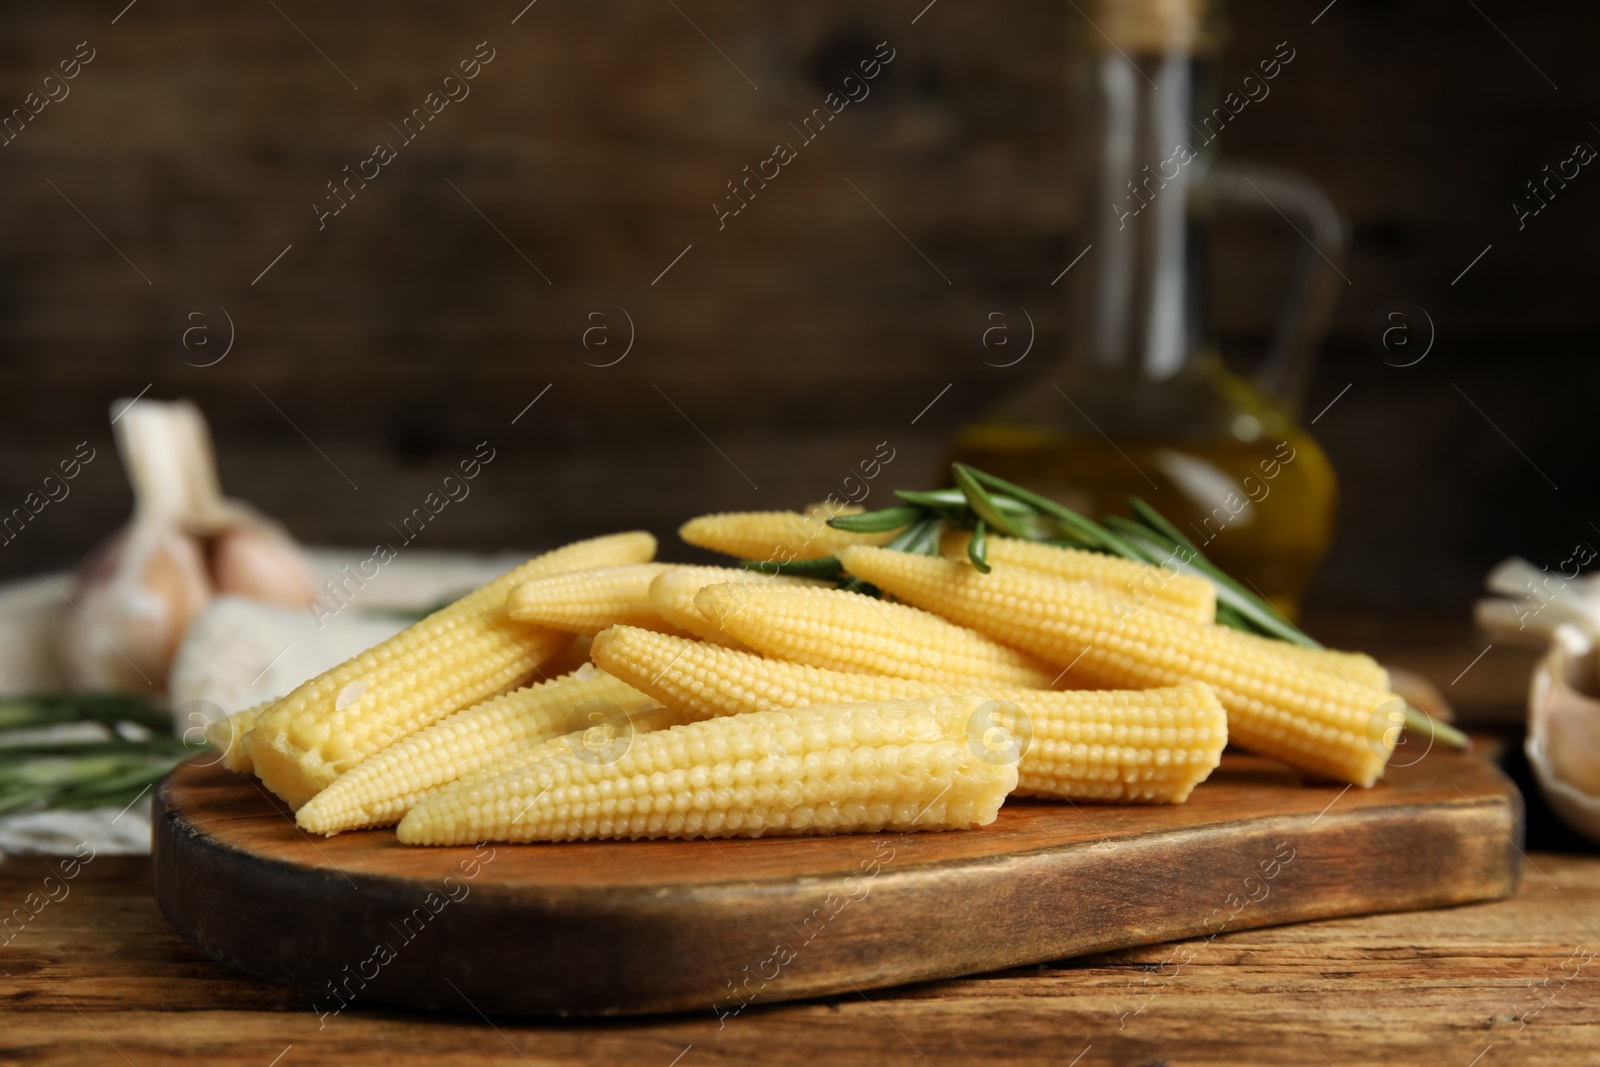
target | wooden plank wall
x=779, y=350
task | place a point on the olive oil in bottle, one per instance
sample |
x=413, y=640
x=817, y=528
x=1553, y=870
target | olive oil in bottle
x=1257, y=497
x=1142, y=404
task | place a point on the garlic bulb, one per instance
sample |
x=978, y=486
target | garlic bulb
x=136, y=595
x=1563, y=743
x=240, y=652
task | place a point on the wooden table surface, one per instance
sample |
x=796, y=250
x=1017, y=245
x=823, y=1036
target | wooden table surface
x=97, y=977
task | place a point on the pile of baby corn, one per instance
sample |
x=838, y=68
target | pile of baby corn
x=592, y=693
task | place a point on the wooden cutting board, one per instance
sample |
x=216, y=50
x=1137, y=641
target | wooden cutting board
x=657, y=926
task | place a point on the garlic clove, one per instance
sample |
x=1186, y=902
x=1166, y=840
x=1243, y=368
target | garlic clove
x=254, y=558
x=1573, y=729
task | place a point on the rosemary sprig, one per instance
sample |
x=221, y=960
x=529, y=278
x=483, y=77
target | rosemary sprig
x=83, y=774
x=920, y=529
x=48, y=709
x=981, y=502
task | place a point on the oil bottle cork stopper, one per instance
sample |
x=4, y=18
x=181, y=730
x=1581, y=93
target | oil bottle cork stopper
x=1152, y=25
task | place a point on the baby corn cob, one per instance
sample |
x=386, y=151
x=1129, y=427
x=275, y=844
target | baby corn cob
x=1140, y=583
x=673, y=596
x=777, y=535
x=460, y=655
x=586, y=602
x=1184, y=595
x=1150, y=746
x=227, y=737
x=604, y=740
x=712, y=680
x=1356, y=667
x=384, y=786
x=893, y=765
x=1310, y=719
x=843, y=631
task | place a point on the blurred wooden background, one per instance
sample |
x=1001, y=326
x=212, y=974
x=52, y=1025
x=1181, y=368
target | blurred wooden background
x=777, y=352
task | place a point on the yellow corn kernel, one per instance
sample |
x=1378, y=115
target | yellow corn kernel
x=384, y=786
x=831, y=769
x=460, y=655
x=1310, y=719
x=777, y=535
x=586, y=602
x=1140, y=583
x=1148, y=746
x=842, y=631
x=672, y=594
x=227, y=737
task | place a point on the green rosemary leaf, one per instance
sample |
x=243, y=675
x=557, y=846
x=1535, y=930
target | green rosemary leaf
x=921, y=539
x=103, y=798
x=1255, y=608
x=1086, y=532
x=954, y=500
x=20, y=799
x=981, y=504
x=1263, y=616
x=1226, y=616
x=936, y=498
x=133, y=776
x=879, y=521
x=1418, y=720
x=1159, y=523
x=978, y=548
x=1236, y=607
x=155, y=747
x=1156, y=521
x=1152, y=548
x=56, y=772
x=47, y=709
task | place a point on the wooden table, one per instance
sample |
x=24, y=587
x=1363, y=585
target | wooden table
x=97, y=977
